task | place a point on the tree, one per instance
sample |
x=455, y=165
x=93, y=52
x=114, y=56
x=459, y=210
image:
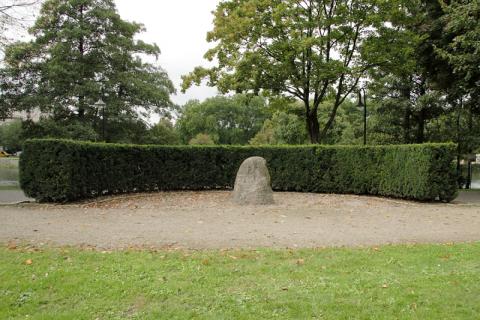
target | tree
x=461, y=28
x=163, y=133
x=11, y=136
x=124, y=129
x=305, y=49
x=348, y=126
x=50, y=128
x=404, y=106
x=449, y=55
x=400, y=82
x=201, y=139
x=227, y=120
x=282, y=128
x=83, y=51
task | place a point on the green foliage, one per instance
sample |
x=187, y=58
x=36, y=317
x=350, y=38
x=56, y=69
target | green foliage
x=118, y=129
x=347, y=128
x=59, y=170
x=201, y=139
x=227, y=120
x=163, y=133
x=265, y=136
x=11, y=136
x=49, y=128
x=305, y=50
x=83, y=51
x=461, y=23
x=282, y=128
x=402, y=110
x=286, y=127
x=123, y=129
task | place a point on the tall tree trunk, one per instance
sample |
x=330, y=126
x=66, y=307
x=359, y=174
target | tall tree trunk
x=407, y=124
x=421, y=127
x=459, y=144
x=313, y=126
x=470, y=122
x=420, y=137
x=81, y=108
x=338, y=101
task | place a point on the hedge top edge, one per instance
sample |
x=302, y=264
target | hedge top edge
x=69, y=141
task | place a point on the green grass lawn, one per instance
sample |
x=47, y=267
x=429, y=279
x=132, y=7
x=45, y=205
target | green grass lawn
x=393, y=282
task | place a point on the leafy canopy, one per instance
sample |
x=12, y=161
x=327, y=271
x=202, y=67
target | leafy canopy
x=83, y=51
x=227, y=120
x=305, y=49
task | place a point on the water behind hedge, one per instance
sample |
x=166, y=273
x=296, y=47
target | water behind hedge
x=9, y=174
x=476, y=176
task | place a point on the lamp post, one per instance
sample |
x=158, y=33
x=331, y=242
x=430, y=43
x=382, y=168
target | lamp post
x=100, y=104
x=362, y=103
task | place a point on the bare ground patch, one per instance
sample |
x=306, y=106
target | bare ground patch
x=201, y=220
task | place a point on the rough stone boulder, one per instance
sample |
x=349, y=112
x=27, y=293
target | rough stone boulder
x=253, y=185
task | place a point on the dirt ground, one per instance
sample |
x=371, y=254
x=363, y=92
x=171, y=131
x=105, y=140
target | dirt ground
x=199, y=220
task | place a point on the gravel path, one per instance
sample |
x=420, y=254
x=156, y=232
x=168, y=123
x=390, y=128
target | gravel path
x=13, y=196
x=201, y=220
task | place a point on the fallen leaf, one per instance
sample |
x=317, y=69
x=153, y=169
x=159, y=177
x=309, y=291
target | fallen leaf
x=300, y=262
x=28, y=262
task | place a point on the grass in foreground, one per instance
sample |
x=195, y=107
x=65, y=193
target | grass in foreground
x=397, y=282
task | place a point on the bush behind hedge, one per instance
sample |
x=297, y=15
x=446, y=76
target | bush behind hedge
x=63, y=171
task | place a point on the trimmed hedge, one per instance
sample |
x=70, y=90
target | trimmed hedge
x=63, y=171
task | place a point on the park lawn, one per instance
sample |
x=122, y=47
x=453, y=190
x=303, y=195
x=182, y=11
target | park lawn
x=392, y=282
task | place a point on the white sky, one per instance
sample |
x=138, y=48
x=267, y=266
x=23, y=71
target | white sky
x=180, y=29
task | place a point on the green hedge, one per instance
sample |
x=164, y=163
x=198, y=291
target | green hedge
x=63, y=171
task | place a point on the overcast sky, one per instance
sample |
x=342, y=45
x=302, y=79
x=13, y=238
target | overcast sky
x=180, y=29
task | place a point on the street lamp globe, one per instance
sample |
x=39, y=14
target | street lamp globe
x=100, y=104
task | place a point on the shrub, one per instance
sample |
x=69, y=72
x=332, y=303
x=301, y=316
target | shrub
x=11, y=136
x=163, y=133
x=282, y=129
x=202, y=139
x=62, y=171
x=227, y=120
